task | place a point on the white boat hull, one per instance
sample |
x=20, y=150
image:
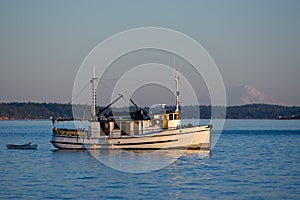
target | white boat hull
x=198, y=137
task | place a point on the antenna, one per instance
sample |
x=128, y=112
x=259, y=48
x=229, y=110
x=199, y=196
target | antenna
x=174, y=62
x=177, y=91
x=177, y=88
x=93, y=81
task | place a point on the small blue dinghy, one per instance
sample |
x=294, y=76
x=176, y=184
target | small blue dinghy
x=22, y=146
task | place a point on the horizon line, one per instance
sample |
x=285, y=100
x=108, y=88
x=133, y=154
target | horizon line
x=69, y=103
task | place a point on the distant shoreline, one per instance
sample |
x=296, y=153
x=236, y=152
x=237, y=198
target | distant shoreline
x=25, y=120
x=200, y=119
x=43, y=111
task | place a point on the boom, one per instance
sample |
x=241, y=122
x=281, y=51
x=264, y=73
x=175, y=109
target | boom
x=134, y=104
x=106, y=107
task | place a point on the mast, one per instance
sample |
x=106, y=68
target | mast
x=94, y=88
x=177, y=91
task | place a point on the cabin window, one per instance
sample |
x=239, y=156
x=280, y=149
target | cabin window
x=170, y=116
x=116, y=127
x=176, y=116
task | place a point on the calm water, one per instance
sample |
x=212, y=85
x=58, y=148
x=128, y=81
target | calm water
x=258, y=159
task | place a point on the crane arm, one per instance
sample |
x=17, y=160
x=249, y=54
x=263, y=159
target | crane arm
x=106, y=107
x=134, y=104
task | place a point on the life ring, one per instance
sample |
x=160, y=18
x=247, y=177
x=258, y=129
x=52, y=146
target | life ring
x=157, y=122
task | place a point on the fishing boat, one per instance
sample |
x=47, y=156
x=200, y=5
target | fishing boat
x=22, y=146
x=138, y=132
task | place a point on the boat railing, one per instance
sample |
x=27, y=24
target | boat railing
x=148, y=131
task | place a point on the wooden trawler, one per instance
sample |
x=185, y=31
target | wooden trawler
x=139, y=132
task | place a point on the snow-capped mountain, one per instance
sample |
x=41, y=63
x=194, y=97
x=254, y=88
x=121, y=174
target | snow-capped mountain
x=245, y=94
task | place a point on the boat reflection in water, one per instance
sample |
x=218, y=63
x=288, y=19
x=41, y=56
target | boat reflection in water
x=144, y=161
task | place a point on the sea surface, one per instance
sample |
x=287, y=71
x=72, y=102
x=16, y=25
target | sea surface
x=252, y=159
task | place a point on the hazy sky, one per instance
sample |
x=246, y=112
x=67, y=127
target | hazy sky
x=43, y=43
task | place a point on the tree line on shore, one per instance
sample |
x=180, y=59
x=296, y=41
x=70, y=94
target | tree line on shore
x=31, y=110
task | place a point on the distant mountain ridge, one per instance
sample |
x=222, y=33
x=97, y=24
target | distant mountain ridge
x=45, y=110
x=245, y=94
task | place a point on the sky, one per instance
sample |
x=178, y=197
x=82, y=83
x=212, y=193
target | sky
x=43, y=43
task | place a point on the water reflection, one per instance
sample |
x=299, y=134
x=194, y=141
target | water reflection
x=141, y=161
